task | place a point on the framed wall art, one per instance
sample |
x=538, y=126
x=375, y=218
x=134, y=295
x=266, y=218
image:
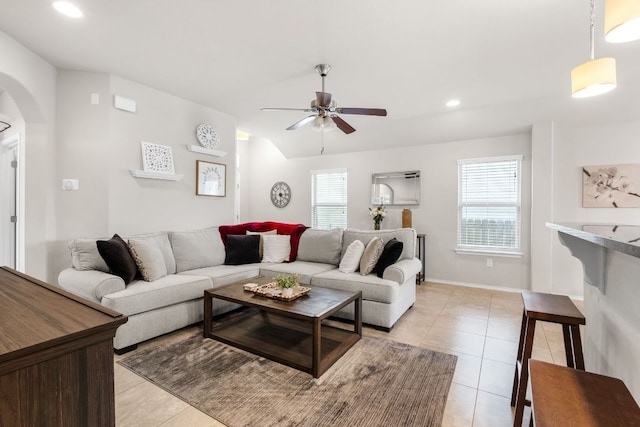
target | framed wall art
x=211, y=179
x=611, y=186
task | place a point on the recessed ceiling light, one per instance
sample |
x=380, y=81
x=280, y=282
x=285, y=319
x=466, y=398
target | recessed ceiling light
x=453, y=103
x=67, y=9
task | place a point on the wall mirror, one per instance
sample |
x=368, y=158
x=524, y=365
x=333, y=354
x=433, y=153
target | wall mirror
x=395, y=188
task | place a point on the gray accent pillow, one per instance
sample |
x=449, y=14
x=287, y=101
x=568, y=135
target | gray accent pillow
x=323, y=246
x=85, y=255
x=148, y=258
x=162, y=241
x=197, y=249
x=371, y=255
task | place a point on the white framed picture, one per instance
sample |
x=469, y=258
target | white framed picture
x=611, y=186
x=157, y=158
x=211, y=179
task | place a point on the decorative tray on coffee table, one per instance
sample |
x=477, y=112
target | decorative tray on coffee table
x=271, y=290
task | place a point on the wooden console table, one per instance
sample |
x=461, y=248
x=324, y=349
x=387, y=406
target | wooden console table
x=56, y=355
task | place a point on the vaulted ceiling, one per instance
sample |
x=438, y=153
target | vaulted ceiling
x=508, y=61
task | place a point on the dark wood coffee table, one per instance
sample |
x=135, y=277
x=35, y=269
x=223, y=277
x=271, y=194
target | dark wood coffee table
x=293, y=333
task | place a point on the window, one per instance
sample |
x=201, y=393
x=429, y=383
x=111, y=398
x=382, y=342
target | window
x=489, y=205
x=329, y=199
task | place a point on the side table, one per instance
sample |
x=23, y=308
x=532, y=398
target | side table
x=420, y=249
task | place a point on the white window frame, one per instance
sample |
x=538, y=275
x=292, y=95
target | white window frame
x=491, y=250
x=315, y=204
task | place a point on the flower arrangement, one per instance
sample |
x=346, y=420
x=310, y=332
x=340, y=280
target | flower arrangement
x=378, y=215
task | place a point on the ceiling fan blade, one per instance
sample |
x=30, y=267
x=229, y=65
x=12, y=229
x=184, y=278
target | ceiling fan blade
x=363, y=111
x=302, y=122
x=342, y=125
x=308, y=110
x=323, y=99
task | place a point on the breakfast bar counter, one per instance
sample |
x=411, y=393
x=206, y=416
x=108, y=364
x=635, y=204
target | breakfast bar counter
x=610, y=256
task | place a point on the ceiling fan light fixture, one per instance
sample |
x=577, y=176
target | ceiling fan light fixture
x=593, y=78
x=622, y=21
x=323, y=124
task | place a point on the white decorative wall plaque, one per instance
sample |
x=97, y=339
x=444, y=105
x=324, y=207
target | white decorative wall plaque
x=157, y=158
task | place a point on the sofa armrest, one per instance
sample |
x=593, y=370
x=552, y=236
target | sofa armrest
x=403, y=270
x=90, y=284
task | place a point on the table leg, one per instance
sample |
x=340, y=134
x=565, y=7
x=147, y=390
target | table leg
x=358, y=316
x=317, y=347
x=207, y=315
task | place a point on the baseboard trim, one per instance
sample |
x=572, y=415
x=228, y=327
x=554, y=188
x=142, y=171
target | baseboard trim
x=488, y=287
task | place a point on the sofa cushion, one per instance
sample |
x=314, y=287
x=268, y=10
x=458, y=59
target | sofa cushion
x=162, y=240
x=197, y=248
x=226, y=274
x=85, y=255
x=390, y=254
x=140, y=296
x=241, y=249
x=372, y=287
x=148, y=258
x=405, y=235
x=293, y=230
x=276, y=248
x=323, y=246
x=371, y=255
x=351, y=260
x=116, y=254
x=303, y=269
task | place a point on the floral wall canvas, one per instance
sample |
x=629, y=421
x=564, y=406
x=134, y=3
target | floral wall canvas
x=611, y=186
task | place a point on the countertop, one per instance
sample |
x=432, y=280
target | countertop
x=619, y=237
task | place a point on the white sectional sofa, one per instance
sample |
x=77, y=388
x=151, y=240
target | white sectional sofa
x=195, y=261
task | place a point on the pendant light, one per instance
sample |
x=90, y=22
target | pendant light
x=622, y=21
x=596, y=76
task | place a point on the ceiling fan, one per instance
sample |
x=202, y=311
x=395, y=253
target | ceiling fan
x=325, y=110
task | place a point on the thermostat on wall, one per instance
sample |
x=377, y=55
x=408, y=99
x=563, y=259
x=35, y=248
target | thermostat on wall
x=122, y=103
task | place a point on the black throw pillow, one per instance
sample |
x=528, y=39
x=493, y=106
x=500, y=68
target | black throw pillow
x=242, y=249
x=390, y=254
x=117, y=257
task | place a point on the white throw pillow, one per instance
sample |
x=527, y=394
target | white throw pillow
x=351, y=259
x=261, y=233
x=276, y=248
x=371, y=255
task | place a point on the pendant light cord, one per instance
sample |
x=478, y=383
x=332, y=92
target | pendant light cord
x=592, y=28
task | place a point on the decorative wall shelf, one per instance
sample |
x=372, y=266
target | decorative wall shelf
x=156, y=175
x=209, y=151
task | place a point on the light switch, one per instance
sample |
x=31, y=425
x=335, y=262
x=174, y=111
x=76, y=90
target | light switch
x=70, y=184
x=95, y=98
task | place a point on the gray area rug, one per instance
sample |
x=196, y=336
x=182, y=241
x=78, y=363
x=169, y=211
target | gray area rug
x=376, y=383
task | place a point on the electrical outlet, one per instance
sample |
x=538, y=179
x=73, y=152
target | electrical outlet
x=489, y=262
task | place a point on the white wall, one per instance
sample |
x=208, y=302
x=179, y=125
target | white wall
x=31, y=83
x=99, y=145
x=573, y=149
x=261, y=165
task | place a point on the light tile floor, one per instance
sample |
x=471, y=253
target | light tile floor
x=480, y=326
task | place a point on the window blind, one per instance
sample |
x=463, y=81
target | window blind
x=329, y=199
x=489, y=204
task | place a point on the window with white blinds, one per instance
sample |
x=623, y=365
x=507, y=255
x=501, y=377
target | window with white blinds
x=329, y=199
x=489, y=204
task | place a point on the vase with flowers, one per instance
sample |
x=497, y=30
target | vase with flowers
x=378, y=215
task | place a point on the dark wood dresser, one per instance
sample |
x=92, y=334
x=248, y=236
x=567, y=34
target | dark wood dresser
x=56, y=356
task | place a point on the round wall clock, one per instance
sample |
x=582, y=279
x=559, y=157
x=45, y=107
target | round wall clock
x=207, y=136
x=280, y=194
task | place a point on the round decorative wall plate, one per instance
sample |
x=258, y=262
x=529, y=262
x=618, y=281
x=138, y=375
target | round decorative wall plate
x=207, y=136
x=280, y=194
